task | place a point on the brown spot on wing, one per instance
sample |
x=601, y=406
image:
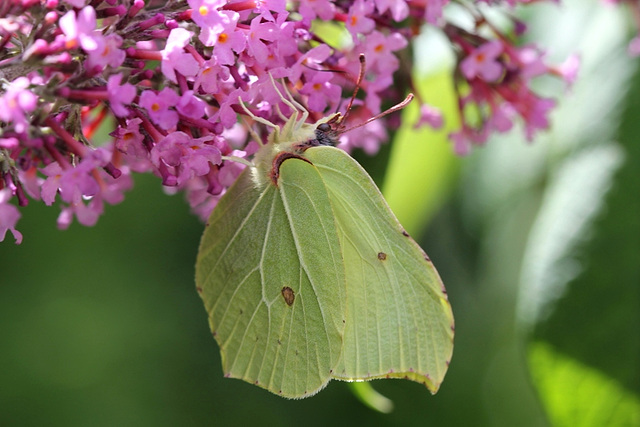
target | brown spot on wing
x=382, y=256
x=288, y=295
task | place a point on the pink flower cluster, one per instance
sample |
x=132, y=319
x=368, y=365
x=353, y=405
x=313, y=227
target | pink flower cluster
x=167, y=80
x=494, y=86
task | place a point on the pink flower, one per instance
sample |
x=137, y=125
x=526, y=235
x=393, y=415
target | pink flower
x=16, y=103
x=531, y=62
x=174, y=58
x=461, y=143
x=433, y=11
x=246, y=42
x=258, y=33
x=430, y=116
x=9, y=216
x=311, y=60
x=309, y=9
x=264, y=6
x=379, y=49
x=358, y=20
x=80, y=31
x=31, y=182
x=107, y=53
x=87, y=215
x=535, y=112
x=368, y=138
x=111, y=190
x=120, y=96
x=226, y=114
x=287, y=43
x=205, y=12
x=9, y=143
x=130, y=142
x=570, y=67
x=482, y=62
x=321, y=92
x=227, y=39
x=157, y=105
x=49, y=188
x=76, y=181
x=398, y=8
x=210, y=76
x=180, y=157
x=634, y=46
x=502, y=118
x=463, y=138
x=373, y=101
x=190, y=105
x=200, y=198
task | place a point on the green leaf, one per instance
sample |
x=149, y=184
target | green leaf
x=370, y=397
x=579, y=395
x=422, y=166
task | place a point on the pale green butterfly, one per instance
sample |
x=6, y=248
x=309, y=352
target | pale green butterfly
x=307, y=275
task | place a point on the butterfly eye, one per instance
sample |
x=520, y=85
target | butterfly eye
x=324, y=127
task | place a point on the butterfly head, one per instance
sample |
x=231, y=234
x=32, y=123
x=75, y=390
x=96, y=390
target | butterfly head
x=295, y=136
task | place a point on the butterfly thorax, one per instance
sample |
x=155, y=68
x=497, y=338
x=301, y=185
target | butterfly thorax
x=294, y=137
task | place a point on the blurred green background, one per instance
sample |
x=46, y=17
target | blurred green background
x=538, y=245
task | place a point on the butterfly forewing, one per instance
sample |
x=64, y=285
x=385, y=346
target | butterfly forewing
x=277, y=322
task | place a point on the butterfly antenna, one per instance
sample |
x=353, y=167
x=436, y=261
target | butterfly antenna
x=396, y=107
x=363, y=67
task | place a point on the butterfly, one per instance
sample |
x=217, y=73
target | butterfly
x=307, y=275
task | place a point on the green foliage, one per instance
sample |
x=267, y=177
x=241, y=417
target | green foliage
x=585, y=345
x=576, y=394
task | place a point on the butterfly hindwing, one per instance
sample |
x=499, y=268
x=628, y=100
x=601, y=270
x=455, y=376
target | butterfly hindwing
x=399, y=321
